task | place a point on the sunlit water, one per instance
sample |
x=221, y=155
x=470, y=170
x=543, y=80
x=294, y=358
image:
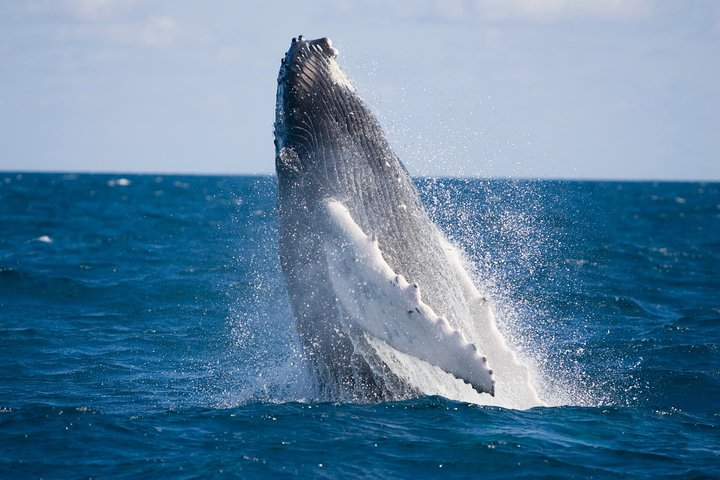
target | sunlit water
x=145, y=330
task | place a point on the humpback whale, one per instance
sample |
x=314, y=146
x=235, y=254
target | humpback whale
x=383, y=303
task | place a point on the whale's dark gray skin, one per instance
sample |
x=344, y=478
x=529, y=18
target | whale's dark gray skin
x=330, y=147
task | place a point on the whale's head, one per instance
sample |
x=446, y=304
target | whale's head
x=322, y=127
x=311, y=87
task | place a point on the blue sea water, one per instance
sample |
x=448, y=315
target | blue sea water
x=145, y=332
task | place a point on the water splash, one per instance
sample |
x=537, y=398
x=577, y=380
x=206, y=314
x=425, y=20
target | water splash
x=514, y=242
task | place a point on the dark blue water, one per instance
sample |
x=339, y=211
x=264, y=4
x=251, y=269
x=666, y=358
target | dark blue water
x=145, y=332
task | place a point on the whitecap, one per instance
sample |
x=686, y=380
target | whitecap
x=120, y=182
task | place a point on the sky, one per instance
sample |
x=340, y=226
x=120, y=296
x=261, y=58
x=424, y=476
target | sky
x=587, y=89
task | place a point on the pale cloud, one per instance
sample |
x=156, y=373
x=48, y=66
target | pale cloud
x=497, y=10
x=155, y=32
x=84, y=10
x=557, y=9
x=124, y=22
x=101, y=9
x=158, y=32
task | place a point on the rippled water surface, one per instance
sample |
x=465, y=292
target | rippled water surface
x=145, y=331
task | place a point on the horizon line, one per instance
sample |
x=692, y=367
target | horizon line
x=263, y=174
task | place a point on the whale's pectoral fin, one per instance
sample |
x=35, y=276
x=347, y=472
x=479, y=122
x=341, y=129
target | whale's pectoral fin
x=386, y=306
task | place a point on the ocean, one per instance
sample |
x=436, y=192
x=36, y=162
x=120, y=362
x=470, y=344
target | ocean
x=145, y=332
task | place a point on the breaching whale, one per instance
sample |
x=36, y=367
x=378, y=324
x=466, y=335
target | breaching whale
x=382, y=301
